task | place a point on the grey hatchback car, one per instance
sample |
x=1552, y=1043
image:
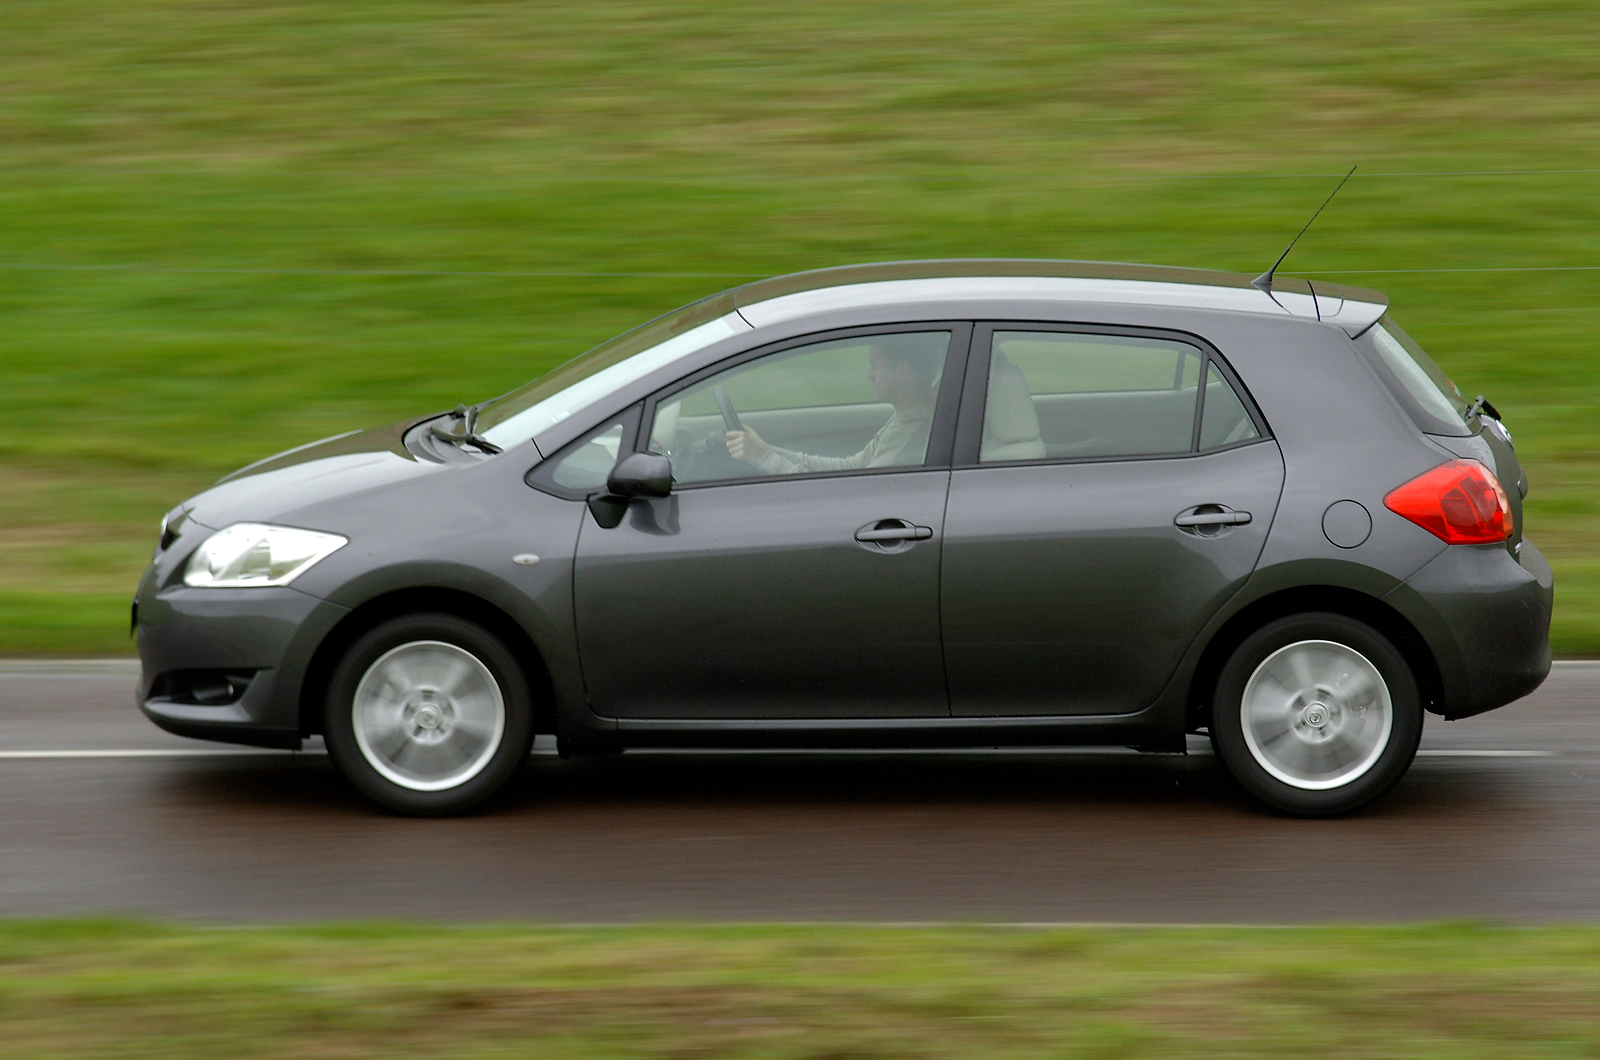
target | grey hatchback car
x=952, y=503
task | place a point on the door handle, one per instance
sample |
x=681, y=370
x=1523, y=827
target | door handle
x=1222, y=516
x=893, y=530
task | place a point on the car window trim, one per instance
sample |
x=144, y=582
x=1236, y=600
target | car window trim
x=941, y=436
x=1229, y=376
x=975, y=393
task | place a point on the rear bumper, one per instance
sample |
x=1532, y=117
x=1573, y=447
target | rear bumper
x=264, y=638
x=1486, y=616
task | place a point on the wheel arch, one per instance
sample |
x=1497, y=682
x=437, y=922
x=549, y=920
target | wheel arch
x=536, y=675
x=1351, y=603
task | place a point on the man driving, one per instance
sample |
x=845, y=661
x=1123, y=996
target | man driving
x=904, y=379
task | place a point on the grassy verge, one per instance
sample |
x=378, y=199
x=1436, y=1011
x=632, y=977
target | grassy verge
x=230, y=228
x=76, y=989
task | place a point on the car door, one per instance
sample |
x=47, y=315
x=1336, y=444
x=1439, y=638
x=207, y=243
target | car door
x=1105, y=502
x=802, y=581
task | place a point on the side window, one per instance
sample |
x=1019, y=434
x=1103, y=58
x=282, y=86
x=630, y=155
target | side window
x=840, y=405
x=1054, y=395
x=584, y=465
x=1223, y=419
x=1436, y=402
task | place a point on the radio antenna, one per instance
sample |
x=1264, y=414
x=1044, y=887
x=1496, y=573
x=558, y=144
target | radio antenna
x=1264, y=281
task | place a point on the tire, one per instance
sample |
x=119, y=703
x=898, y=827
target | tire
x=428, y=715
x=1316, y=715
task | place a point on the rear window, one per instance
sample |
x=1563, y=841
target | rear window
x=1429, y=395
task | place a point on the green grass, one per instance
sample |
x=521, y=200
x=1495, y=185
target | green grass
x=108, y=989
x=227, y=228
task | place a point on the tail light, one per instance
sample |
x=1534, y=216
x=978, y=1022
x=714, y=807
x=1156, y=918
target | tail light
x=1461, y=503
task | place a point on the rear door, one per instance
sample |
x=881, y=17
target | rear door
x=1104, y=503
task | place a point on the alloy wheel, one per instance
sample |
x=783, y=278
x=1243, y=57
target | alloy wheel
x=1316, y=714
x=428, y=715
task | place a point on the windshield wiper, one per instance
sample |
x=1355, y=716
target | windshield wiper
x=1479, y=405
x=468, y=415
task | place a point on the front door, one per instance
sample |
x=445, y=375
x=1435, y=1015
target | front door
x=1110, y=505
x=793, y=573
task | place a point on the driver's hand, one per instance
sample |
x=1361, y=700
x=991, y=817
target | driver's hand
x=747, y=445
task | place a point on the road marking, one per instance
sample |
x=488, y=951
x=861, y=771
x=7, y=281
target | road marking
x=1465, y=753
x=229, y=752
x=106, y=667
x=166, y=752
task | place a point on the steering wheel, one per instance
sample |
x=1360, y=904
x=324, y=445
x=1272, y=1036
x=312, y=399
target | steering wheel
x=708, y=459
x=730, y=418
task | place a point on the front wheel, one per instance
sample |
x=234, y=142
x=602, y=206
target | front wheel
x=1316, y=715
x=428, y=715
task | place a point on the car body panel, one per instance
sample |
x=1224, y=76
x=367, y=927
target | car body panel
x=1486, y=617
x=270, y=633
x=1067, y=588
x=754, y=600
x=453, y=528
x=335, y=468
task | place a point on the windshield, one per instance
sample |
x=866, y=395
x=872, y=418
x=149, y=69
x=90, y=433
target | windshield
x=1435, y=401
x=573, y=387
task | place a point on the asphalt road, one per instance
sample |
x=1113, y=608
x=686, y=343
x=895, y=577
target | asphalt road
x=1499, y=819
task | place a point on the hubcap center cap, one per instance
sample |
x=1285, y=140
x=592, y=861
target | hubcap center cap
x=429, y=716
x=1317, y=715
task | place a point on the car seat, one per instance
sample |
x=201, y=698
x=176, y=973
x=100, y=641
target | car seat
x=1010, y=422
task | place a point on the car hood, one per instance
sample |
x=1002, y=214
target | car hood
x=272, y=490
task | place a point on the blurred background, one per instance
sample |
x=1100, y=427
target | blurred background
x=228, y=228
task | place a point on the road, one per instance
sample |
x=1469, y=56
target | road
x=1499, y=818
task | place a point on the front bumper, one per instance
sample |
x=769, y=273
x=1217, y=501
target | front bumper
x=1486, y=616
x=267, y=636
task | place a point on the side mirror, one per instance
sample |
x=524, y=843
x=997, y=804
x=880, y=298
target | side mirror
x=641, y=475
x=607, y=509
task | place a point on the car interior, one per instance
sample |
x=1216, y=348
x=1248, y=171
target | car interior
x=1050, y=416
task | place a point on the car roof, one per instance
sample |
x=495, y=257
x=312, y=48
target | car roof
x=781, y=298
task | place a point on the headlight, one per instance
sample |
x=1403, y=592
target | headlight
x=250, y=554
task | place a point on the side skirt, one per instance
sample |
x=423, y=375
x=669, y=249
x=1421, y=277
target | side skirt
x=1123, y=730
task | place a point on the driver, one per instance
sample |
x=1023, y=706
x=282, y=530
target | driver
x=904, y=380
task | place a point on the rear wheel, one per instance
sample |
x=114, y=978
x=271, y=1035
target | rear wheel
x=1316, y=715
x=428, y=715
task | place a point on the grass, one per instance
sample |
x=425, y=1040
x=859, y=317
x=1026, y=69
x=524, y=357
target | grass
x=114, y=989
x=227, y=228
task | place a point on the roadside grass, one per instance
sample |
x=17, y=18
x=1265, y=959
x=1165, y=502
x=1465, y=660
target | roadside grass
x=120, y=989
x=230, y=228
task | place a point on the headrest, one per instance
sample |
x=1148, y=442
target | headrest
x=1010, y=416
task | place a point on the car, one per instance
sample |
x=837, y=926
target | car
x=915, y=504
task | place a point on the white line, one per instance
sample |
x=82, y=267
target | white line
x=80, y=667
x=226, y=752
x=1485, y=268
x=69, y=668
x=172, y=752
x=268, y=271
x=1464, y=753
